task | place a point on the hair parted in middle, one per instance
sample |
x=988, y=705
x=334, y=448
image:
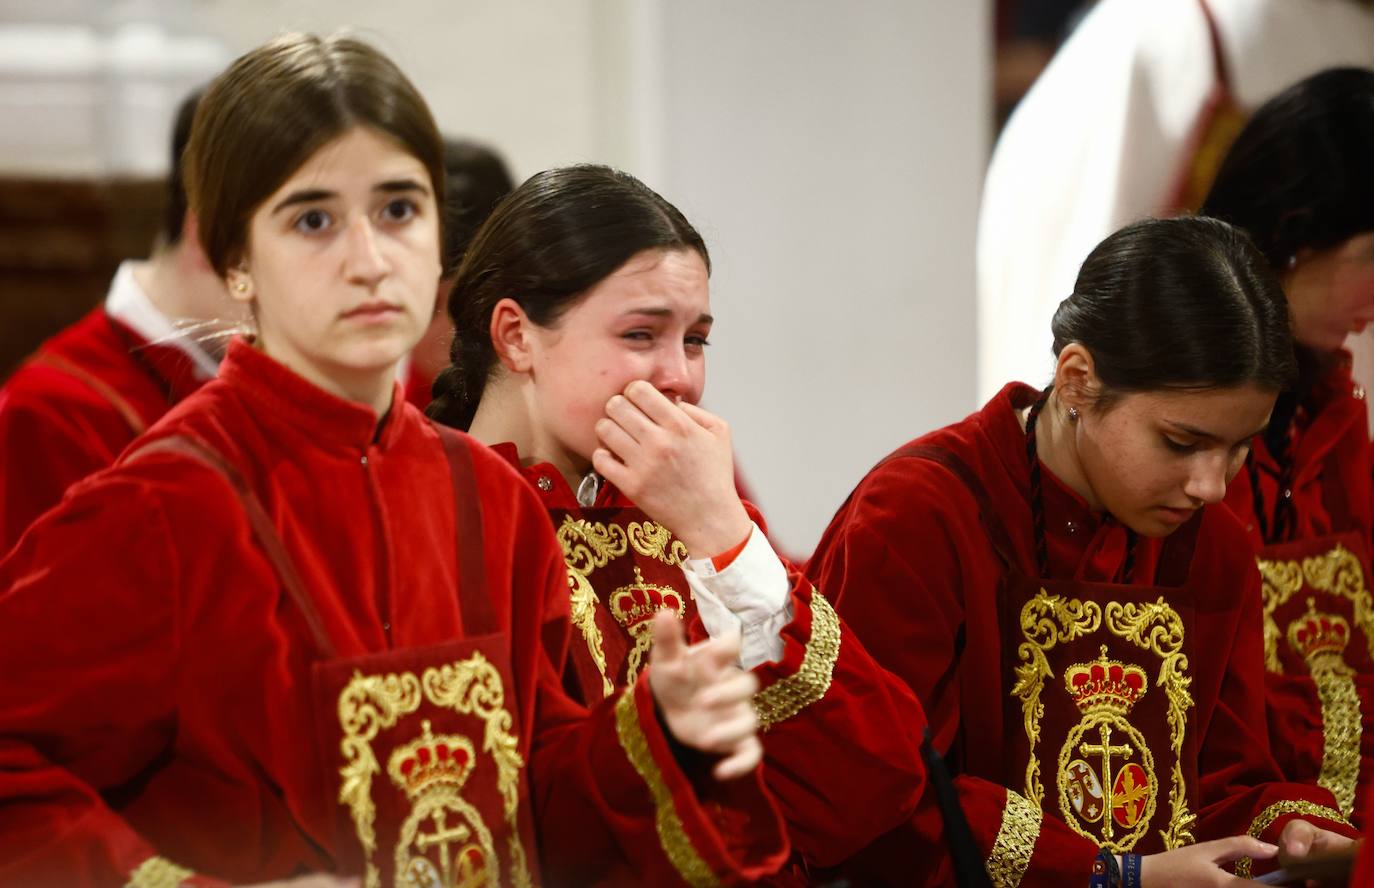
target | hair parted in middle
x=273, y=108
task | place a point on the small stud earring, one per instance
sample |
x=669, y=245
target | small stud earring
x=1073, y=414
x=241, y=286
x=1293, y=261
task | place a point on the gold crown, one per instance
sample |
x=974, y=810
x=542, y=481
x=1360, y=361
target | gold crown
x=1104, y=682
x=430, y=761
x=1317, y=633
x=635, y=604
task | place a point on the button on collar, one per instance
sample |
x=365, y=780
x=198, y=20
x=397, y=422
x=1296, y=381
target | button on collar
x=545, y=483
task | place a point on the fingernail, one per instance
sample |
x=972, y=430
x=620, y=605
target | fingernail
x=1268, y=847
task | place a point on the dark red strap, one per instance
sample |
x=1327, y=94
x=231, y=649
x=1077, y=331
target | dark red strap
x=263, y=529
x=987, y=513
x=98, y=385
x=474, y=600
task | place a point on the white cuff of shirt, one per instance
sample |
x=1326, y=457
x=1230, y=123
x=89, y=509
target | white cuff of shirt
x=752, y=595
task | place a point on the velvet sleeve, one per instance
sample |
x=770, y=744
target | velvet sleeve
x=910, y=570
x=89, y=639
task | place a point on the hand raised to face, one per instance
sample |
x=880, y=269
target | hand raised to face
x=674, y=461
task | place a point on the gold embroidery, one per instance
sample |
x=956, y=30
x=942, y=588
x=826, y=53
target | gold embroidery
x=432, y=771
x=1045, y=621
x=1105, y=692
x=1279, y=581
x=671, y=833
x=1277, y=810
x=587, y=546
x=655, y=541
x=1011, y=852
x=634, y=607
x=1321, y=640
x=158, y=872
x=1337, y=572
x=372, y=702
x=786, y=697
x=1158, y=628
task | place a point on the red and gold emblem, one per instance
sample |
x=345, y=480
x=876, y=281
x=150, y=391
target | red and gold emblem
x=634, y=606
x=1105, y=763
x=444, y=843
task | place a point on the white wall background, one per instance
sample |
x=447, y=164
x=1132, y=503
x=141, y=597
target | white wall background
x=831, y=153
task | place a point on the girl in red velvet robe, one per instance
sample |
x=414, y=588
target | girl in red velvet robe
x=1298, y=179
x=1055, y=578
x=297, y=627
x=583, y=311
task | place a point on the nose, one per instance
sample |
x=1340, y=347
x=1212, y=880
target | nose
x=363, y=260
x=672, y=374
x=1207, y=479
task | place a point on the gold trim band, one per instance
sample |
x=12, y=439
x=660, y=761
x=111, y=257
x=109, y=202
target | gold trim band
x=1016, y=838
x=786, y=697
x=671, y=834
x=158, y=872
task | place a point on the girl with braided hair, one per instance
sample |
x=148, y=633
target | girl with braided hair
x=1057, y=580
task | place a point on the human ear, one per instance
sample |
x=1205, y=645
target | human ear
x=511, y=336
x=240, y=282
x=1075, y=378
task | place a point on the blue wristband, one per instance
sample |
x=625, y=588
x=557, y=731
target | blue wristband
x=1130, y=871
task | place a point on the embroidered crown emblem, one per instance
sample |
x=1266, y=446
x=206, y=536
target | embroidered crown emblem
x=1105, y=683
x=634, y=605
x=431, y=761
x=1317, y=633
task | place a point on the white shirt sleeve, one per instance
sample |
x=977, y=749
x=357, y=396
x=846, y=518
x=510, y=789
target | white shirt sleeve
x=751, y=595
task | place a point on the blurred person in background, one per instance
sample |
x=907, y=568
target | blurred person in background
x=79, y=400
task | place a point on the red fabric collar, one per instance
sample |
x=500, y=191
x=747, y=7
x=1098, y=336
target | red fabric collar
x=326, y=418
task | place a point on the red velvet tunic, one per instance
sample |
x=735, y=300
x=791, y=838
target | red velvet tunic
x=157, y=710
x=914, y=571
x=73, y=407
x=842, y=734
x=1317, y=609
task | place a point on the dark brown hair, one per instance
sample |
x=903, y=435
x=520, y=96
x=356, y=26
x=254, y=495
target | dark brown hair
x=277, y=105
x=552, y=239
x=1186, y=303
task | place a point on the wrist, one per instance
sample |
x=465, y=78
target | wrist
x=720, y=534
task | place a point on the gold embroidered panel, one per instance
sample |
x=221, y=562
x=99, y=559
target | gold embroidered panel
x=1108, y=773
x=443, y=839
x=621, y=572
x=1319, y=625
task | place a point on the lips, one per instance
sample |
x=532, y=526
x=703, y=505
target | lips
x=1177, y=516
x=377, y=308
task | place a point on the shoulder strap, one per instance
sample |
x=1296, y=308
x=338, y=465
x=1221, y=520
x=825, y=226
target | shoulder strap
x=473, y=599
x=96, y=384
x=987, y=512
x=263, y=529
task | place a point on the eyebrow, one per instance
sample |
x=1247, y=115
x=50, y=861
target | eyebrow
x=703, y=318
x=1209, y=436
x=391, y=186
